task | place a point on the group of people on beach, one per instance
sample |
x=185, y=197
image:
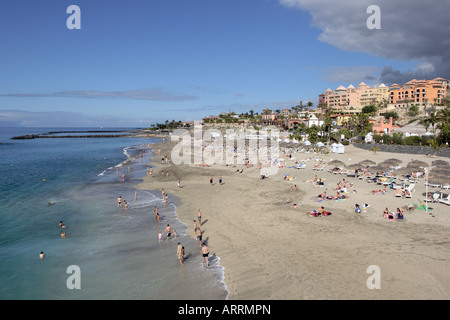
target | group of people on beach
x=199, y=235
x=391, y=216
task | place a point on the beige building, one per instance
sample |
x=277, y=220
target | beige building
x=374, y=95
x=352, y=98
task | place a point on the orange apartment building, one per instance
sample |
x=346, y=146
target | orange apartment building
x=418, y=92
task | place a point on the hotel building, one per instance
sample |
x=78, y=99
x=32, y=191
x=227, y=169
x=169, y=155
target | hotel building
x=420, y=92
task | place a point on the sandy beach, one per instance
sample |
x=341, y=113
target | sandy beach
x=272, y=250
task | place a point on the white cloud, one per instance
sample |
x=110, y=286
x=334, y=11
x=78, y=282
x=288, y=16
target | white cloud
x=410, y=30
x=352, y=75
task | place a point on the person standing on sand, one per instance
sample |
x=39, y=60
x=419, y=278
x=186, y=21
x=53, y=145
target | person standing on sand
x=200, y=235
x=178, y=184
x=211, y=180
x=199, y=217
x=180, y=253
x=195, y=227
x=220, y=180
x=205, y=253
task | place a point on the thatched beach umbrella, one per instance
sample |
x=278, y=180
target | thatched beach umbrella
x=402, y=171
x=441, y=180
x=355, y=166
x=394, y=161
x=440, y=163
x=439, y=172
x=416, y=164
x=368, y=162
x=337, y=163
x=387, y=165
x=377, y=168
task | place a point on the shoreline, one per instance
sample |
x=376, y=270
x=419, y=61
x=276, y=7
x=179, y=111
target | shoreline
x=273, y=251
x=148, y=184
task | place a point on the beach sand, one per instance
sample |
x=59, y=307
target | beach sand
x=274, y=251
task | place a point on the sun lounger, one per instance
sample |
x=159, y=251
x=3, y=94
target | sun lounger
x=398, y=193
x=434, y=198
x=445, y=200
x=447, y=186
x=388, y=182
x=433, y=185
x=410, y=188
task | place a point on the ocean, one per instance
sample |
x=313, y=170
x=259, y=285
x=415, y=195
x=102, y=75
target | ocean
x=116, y=253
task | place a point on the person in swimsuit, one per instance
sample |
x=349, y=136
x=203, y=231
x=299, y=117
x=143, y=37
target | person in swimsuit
x=156, y=213
x=180, y=253
x=195, y=227
x=205, y=253
x=199, y=217
x=119, y=201
x=41, y=255
x=211, y=181
x=199, y=236
x=168, y=230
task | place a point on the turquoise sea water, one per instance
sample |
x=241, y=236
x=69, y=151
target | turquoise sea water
x=117, y=250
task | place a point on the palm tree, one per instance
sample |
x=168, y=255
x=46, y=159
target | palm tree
x=430, y=120
x=435, y=144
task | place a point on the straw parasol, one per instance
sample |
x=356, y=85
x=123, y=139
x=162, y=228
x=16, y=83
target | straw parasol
x=439, y=172
x=377, y=168
x=387, y=165
x=402, y=171
x=440, y=163
x=355, y=166
x=393, y=161
x=442, y=180
x=416, y=164
x=368, y=162
x=337, y=163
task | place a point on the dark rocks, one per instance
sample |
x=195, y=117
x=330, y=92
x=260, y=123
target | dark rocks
x=443, y=152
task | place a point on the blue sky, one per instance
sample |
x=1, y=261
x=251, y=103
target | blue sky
x=137, y=62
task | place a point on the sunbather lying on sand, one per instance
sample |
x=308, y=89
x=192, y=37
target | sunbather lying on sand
x=319, y=212
x=378, y=191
